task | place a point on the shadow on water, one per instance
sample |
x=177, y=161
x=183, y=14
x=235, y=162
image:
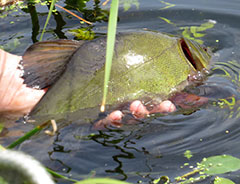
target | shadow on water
x=155, y=147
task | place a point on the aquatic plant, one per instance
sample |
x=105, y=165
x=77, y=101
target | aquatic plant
x=111, y=35
x=208, y=167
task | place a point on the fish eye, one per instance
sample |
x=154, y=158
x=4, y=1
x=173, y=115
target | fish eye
x=204, y=48
x=187, y=53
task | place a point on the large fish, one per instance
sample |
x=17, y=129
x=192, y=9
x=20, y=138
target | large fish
x=145, y=64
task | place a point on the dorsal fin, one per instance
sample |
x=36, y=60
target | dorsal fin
x=44, y=62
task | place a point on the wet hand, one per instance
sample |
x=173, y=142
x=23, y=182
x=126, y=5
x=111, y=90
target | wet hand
x=15, y=98
x=138, y=110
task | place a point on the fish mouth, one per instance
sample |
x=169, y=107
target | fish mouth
x=196, y=54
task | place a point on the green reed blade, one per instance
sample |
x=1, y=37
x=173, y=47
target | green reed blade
x=56, y=175
x=111, y=35
x=27, y=135
x=48, y=18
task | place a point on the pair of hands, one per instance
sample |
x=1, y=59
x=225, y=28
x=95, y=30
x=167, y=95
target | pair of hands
x=16, y=99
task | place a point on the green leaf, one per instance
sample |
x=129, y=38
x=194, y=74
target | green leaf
x=101, y=181
x=83, y=33
x=188, y=154
x=220, y=164
x=128, y=3
x=219, y=180
x=111, y=35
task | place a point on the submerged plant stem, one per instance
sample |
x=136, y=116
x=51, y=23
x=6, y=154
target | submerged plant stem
x=188, y=174
x=48, y=18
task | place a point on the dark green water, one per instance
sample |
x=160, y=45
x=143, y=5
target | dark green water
x=154, y=148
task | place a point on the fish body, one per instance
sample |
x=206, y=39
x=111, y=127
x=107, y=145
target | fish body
x=145, y=64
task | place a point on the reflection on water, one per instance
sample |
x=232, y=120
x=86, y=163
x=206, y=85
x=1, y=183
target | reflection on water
x=154, y=147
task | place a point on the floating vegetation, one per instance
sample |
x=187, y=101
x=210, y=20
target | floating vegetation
x=210, y=166
x=10, y=45
x=167, y=5
x=127, y=4
x=188, y=154
x=192, y=32
x=195, y=32
x=83, y=33
x=167, y=20
x=229, y=69
x=219, y=180
x=219, y=164
x=10, y=9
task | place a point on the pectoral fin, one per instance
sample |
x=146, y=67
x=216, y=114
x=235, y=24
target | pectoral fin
x=44, y=62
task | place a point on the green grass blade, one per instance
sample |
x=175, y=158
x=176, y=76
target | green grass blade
x=111, y=35
x=56, y=175
x=25, y=137
x=48, y=18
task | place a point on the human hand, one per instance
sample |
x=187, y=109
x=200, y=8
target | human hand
x=15, y=98
x=138, y=111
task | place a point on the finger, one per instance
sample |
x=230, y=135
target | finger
x=113, y=119
x=115, y=116
x=165, y=106
x=138, y=109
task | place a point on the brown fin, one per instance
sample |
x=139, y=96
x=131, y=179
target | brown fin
x=44, y=62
